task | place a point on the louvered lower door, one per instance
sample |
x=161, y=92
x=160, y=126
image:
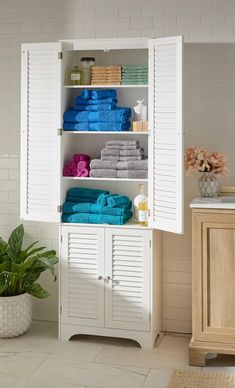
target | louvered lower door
x=166, y=134
x=40, y=121
x=128, y=283
x=82, y=294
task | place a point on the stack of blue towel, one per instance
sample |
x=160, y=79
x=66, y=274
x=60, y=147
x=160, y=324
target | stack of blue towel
x=96, y=110
x=91, y=206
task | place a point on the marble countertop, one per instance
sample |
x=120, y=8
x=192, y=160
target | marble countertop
x=219, y=202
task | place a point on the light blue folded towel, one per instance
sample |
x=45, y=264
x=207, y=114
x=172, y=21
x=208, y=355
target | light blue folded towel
x=97, y=94
x=117, y=115
x=97, y=126
x=90, y=101
x=71, y=207
x=89, y=218
x=97, y=107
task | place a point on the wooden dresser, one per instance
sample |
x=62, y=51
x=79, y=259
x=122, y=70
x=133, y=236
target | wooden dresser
x=213, y=256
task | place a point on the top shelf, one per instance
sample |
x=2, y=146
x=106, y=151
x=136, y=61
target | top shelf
x=104, y=86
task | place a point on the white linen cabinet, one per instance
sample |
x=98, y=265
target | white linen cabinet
x=109, y=275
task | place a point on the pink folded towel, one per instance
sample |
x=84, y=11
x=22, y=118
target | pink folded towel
x=71, y=164
x=76, y=172
x=83, y=164
x=85, y=172
x=67, y=171
x=78, y=157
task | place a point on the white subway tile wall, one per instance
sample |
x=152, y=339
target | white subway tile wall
x=209, y=106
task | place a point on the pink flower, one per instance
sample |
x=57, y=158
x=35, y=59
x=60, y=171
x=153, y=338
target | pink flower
x=198, y=160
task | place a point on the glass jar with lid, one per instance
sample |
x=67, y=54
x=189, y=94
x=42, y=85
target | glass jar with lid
x=75, y=76
x=86, y=63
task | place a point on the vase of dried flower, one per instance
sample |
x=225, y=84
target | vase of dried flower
x=208, y=184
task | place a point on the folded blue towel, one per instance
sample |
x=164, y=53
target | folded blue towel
x=71, y=207
x=96, y=126
x=116, y=200
x=89, y=218
x=81, y=101
x=96, y=94
x=94, y=108
x=116, y=115
x=86, y=192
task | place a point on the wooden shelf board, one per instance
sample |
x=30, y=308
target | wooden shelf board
x=104, y=86
x=104, y=179
x=107, y=133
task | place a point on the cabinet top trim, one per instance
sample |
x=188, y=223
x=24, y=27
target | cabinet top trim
x=107, y=44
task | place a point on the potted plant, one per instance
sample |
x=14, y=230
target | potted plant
x=19, y=271
x=208, y=165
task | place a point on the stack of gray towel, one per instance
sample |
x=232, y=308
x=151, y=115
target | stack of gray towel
x=120, y=159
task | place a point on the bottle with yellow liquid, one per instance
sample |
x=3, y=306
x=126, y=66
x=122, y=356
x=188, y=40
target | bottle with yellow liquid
x=141, y=207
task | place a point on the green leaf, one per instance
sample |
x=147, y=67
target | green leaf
x=48, y=265
x=15, y=243
x=5, y=266
x=38, y=291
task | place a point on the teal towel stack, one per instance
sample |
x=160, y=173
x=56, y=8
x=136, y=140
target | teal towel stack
x=134, y=75
x=96, y=207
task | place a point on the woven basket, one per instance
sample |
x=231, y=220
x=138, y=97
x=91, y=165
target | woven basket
x=15, y=315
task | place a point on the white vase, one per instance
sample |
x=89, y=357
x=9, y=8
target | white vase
x=15, y=315
x=208, y=184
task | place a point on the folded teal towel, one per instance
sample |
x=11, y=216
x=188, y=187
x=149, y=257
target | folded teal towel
x=95, y=108
x=97, y=126
x=90, y=101
x=135, y=67
x=71, y=207
x=85, y=192
x=77, y=199
x=88, y=218
x=117, y=200
x=117, y=115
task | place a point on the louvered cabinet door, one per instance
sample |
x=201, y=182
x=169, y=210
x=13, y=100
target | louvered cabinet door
x=40, y=121
x=166, y=134
x=127, y=274
x=82, y=262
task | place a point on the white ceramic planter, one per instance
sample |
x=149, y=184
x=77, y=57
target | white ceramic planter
x=15, y=315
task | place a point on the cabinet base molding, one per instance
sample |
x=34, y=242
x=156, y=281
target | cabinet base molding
x=145, y=339
x=198, y=351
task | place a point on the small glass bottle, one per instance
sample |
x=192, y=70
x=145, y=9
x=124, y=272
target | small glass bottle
x=75, y=76
x=141, y=207
x=86, y=63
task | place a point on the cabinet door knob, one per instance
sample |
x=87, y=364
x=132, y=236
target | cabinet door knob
x=109, y=278
x=100, y=277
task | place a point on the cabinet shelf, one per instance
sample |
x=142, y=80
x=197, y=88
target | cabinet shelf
x=107, y=133
x=104, y=86
x=130, y=224
x=104, y=179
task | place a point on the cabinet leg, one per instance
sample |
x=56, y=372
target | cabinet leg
x=197, y=357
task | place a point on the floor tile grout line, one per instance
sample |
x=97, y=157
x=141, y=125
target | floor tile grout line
x=38, y=366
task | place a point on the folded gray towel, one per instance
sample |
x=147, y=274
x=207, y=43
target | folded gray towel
x=137, y=152
x=117, y=147
x=134, y=174
x=121, y=158
x=130, y=158
x=122, y=142
x=106, y=152
x=103, y=173
x=98, y=163
x=110, y=158
x=138, y=165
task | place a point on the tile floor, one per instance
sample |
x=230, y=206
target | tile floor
x=37, y=359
